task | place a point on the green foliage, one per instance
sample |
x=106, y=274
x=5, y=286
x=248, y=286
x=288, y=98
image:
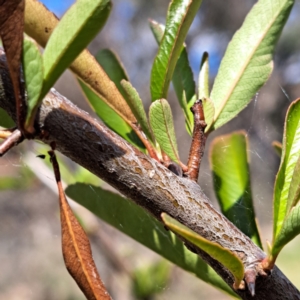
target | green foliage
x=229, y=164
x=179, y=18
x=203, y=80
x=134, y=221
x=247, y=63
x=183, y=80
x=161, y=122
x=73, y=33
x=114, y=69
x=287, y=191
x=227, y=258
x=136, y=104
x=33, y=74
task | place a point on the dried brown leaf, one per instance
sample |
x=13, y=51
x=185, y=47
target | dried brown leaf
x=39, y=23
x=76, y=248
x=11, y=32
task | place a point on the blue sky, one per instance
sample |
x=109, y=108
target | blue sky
x=57, y=6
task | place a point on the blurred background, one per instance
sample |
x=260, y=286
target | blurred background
x=30, y=252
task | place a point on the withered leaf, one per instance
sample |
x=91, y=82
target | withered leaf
x=11, y=32
x=76, y=248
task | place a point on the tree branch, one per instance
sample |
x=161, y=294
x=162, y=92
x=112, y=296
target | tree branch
x=148, y=183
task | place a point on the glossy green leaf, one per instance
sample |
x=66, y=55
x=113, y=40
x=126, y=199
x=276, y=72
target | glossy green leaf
x=179, y=18
x=113, y=67
x=134, y=221
x=5, y=120
x=227, y=258
x=183, y=79
x=203, y=80
x=136, y=104
x=73, y=33
x=229, y=164
x=150, y=280
x=110, y=118
x=289, y=230
x=247, y=63
x=277, y=147
x=33, y=74
x=161, y=122
x=209, y=111
x=287, y=179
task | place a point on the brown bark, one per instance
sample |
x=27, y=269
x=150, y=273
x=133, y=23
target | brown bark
x=95, y=147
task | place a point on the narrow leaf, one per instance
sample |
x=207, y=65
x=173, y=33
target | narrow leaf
x=144, y=228
x=277, y=147
x=183, y=79
x=284, y=192
x=161, y=122
x=179, y=18
x=76, y=247
x=203, y=80
x=74, y=32
x=136, y=104
x=289, y=230
x=113, y=67
x=209, y=111
x=229, y=163
x=247, y=63
x=110, y=118
x=33, y=73
x=40, y=23
x=227, y=258
x=11, y=33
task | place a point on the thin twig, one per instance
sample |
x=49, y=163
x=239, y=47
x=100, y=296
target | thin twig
x=198, y=142
x=12, y=140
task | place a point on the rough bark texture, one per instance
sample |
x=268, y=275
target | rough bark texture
x=146, y=182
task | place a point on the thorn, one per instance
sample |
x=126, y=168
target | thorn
x=42, y=156
x=250, y=277
x=251, y=288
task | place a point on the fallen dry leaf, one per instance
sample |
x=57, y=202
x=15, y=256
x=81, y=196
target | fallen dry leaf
x=76, y=247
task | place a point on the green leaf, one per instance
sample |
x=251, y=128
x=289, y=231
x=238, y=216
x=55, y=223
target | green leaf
x=183, y=79
x=179, y=18
x=203, y=80
x=110, y=118
x=229, y=163
x=33, y=74
x=150, y=280
x=227, y=258
x=247, y=63
x=287, y=179
x=161, y=122
x=289, y=230
x=72, y=34
x=136, y=104
x=134, y=221
x=277, y=147
x=5, y=120
x=209, y=111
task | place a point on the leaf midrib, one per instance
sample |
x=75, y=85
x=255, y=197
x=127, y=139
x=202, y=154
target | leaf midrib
x=244, y=67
